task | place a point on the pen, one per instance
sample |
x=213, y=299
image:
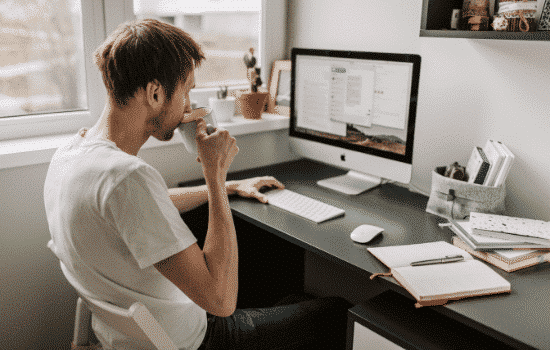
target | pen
x=444, y=260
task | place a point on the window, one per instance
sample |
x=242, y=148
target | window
x=42, y=55
x=38, y=95
x=45, y=65
x=225, y=29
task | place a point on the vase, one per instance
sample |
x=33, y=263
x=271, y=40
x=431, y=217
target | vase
x=253, y=104
x=223, y=109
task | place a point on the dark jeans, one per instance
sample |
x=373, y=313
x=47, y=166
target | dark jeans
x=310, y=324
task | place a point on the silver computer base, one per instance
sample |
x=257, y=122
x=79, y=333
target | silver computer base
x=352, y=183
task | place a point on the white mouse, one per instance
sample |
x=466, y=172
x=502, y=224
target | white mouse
x=365, y=233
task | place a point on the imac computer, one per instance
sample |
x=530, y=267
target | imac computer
x=357, y=111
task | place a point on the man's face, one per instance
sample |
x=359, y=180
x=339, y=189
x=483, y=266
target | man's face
x=173, y=112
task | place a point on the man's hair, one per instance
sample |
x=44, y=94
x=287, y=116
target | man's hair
x=142, y=51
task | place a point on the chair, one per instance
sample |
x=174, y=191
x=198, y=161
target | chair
x=137, y=322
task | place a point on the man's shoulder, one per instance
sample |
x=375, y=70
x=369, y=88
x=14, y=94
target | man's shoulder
x=116, y=165
x=106, y=153
x=98, y=161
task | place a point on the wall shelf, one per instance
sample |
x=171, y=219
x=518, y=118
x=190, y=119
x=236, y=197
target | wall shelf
x=540, y=36
x=436, y=19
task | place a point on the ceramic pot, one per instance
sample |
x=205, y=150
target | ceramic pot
x=253, y=104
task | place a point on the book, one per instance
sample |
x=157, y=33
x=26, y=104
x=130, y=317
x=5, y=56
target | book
x=495, y=158
x=506, y=164
x=477, y=242
x=507, y=260
x=510, y=228
x=477, y=166
x=436, y=284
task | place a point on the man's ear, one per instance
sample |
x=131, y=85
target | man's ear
x=155, y=94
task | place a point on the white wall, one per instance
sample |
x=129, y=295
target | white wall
x=35, y=300
x=470, y=90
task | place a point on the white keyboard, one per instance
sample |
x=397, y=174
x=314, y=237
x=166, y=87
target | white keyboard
x=303, y=206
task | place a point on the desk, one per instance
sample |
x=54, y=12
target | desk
x=520, y=319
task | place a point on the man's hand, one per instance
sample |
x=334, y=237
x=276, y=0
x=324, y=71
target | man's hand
x=216, y=151
x=251, y=187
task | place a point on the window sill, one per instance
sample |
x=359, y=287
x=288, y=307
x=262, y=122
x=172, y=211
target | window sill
x=39, y=150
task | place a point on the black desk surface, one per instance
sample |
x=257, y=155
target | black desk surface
x=521, y=318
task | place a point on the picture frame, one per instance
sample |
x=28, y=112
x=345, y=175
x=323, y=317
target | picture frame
x=279, y=88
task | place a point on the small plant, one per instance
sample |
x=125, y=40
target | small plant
x=222, y=93
x=253, y=73
x=256, y=81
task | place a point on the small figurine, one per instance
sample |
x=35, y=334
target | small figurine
x=456, y=171
x=500, y=23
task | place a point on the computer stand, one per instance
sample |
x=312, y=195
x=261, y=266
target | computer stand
x=352, y=183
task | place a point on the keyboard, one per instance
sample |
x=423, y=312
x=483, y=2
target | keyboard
x=303, y=206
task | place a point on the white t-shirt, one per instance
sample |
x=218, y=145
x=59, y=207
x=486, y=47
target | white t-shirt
x=110, y=219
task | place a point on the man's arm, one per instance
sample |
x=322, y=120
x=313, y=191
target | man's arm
x=188, y=198
x=210, y=277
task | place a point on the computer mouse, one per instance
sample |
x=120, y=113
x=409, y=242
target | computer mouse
x=365, y=233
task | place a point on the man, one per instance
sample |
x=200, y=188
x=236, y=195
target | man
x=117, y=229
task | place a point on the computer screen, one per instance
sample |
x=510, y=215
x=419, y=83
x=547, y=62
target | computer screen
x=355, y=110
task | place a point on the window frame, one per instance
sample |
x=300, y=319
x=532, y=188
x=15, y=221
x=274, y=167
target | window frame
x=31, y=125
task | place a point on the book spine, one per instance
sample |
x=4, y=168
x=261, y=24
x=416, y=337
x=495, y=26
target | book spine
x=506, y=163
x=512, y=237
x=495, y=158
x=477, y=167
x=498, y=261
x=481, y=255
x=483, y=168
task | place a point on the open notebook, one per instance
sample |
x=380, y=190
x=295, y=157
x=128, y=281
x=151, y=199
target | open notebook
x=436, y=284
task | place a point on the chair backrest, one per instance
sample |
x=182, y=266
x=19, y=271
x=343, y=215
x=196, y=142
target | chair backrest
x=136, y=322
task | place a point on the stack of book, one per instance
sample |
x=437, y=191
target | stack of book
x=490, y=165
x=509, y=243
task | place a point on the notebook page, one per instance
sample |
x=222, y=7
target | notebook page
x=404, y=255
x=442, y=281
